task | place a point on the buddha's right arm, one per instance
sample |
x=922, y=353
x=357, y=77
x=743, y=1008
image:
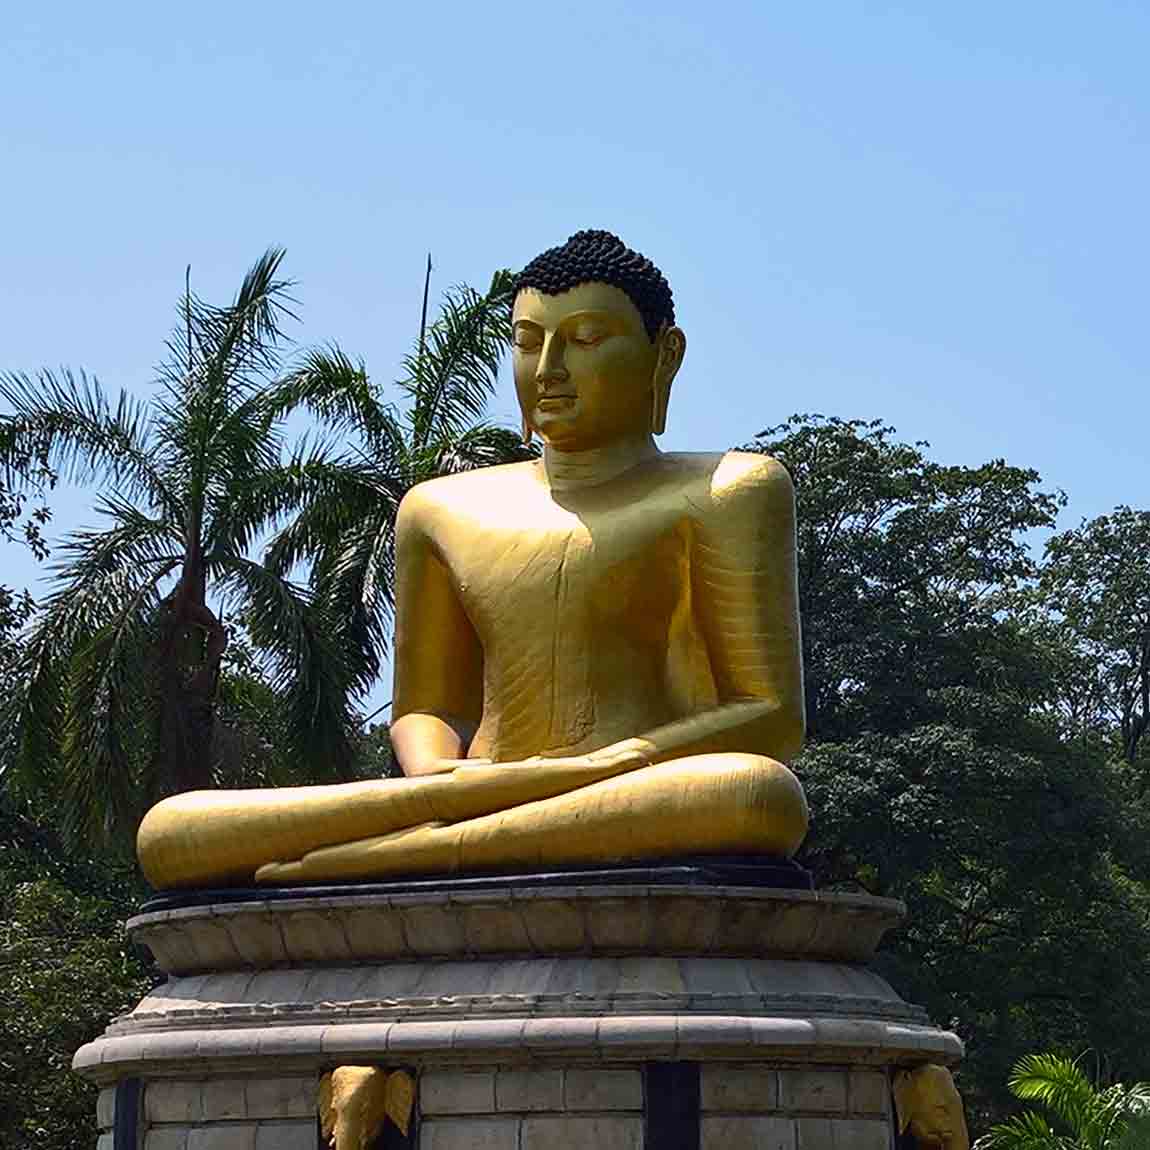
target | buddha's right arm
x=438, y=694
x=428, y=744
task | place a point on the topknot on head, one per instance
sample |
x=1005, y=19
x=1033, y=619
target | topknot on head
x=596, y=256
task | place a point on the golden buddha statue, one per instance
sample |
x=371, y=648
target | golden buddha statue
x=597, y=653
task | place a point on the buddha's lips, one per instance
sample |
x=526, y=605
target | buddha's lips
x=554, y=396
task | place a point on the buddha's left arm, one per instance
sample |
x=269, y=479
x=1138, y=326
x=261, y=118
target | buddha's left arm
x=745, y=599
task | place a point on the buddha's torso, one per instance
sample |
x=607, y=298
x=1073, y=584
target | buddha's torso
x=581, y=601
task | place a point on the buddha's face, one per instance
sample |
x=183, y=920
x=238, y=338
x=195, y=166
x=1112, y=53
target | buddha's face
x=586, y=372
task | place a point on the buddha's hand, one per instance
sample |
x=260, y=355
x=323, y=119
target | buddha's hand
x=442, y=766
x=626, y=755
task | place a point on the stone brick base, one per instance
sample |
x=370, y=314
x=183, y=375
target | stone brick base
x=250, y=1113
x=621, y=1018
x=739, y=1106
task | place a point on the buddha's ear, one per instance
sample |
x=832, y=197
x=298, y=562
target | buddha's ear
x=670, y=347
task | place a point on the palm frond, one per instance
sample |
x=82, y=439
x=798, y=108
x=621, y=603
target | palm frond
x=257, y=501
x=221, y=345
x=337, y=390
x=345, y=527
x=335, y=499
x=484, y=445
x=246, y=493
x=354, y=582
x=1115, y=1109
x=108, y=677
x=451, y=375
x=307, y=665
x=261, y=304
x=99, y=569
x=32, y=710
x=77, y=625
x=67, y=419
x=135, y=540
x=1026, y=1131
x=1058, y=1083
x=219, y=360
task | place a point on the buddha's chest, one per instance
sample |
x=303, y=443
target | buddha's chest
x=618, y=572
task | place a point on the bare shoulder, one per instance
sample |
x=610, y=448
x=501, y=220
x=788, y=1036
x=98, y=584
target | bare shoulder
x=454, y=494
x=460, y=489
x=721, y=479
x=749, y=474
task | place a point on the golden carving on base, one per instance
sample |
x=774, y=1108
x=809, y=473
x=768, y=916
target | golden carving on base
x=597, y=654
x=929, y=1105
x=355, y=1101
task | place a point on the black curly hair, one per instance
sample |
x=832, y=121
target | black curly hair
x=600, y=257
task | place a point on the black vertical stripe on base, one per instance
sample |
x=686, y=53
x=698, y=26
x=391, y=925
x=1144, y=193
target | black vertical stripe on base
x=392, y=1138
x=905, y=1140
x=126, y=1119
x=671, y=1106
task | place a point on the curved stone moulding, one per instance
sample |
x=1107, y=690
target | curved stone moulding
x=539, y=987
x=625, y=920
x=618, y=1038
x=562, y=975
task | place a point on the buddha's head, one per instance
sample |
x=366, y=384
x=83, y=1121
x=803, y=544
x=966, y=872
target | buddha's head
x=596, y=346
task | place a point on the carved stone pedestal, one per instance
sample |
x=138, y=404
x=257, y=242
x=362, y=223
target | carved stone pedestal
x=671, y=1017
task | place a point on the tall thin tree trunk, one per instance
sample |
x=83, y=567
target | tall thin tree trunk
x=188, y=671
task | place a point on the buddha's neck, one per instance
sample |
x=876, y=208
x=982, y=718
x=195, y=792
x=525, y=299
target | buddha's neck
x=566, y=470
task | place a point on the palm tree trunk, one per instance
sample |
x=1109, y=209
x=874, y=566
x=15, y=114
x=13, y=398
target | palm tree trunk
x=188, y=671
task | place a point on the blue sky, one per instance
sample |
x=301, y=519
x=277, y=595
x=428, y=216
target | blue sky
x=936, y=214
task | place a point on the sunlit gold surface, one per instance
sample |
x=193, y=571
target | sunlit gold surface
x=929, y=1105
x=354, y=1102
x=596, y=654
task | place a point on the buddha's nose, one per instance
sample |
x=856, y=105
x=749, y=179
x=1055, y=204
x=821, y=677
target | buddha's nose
x=551, y=367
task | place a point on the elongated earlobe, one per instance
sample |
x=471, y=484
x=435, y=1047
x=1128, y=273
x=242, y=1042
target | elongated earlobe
x=672, y=348
x=659, y=397
x=526, y=430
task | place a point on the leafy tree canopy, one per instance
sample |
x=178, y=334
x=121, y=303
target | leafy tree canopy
x=1096, y=585
x=936, y=769
x=115, y=693
x=66, y=969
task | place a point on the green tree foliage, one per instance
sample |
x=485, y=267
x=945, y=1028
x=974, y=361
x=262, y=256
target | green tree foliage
x=120, y=668
x=66, y=969
x=250, y=717
x=27, y=476
x=1085, y=1116
x=24, y=481
x=903, y=568
x=935, y=769
x=1096, y=584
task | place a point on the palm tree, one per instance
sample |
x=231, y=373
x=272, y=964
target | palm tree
x=347, y=524
x=119, y=670
x=1088, y=1117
